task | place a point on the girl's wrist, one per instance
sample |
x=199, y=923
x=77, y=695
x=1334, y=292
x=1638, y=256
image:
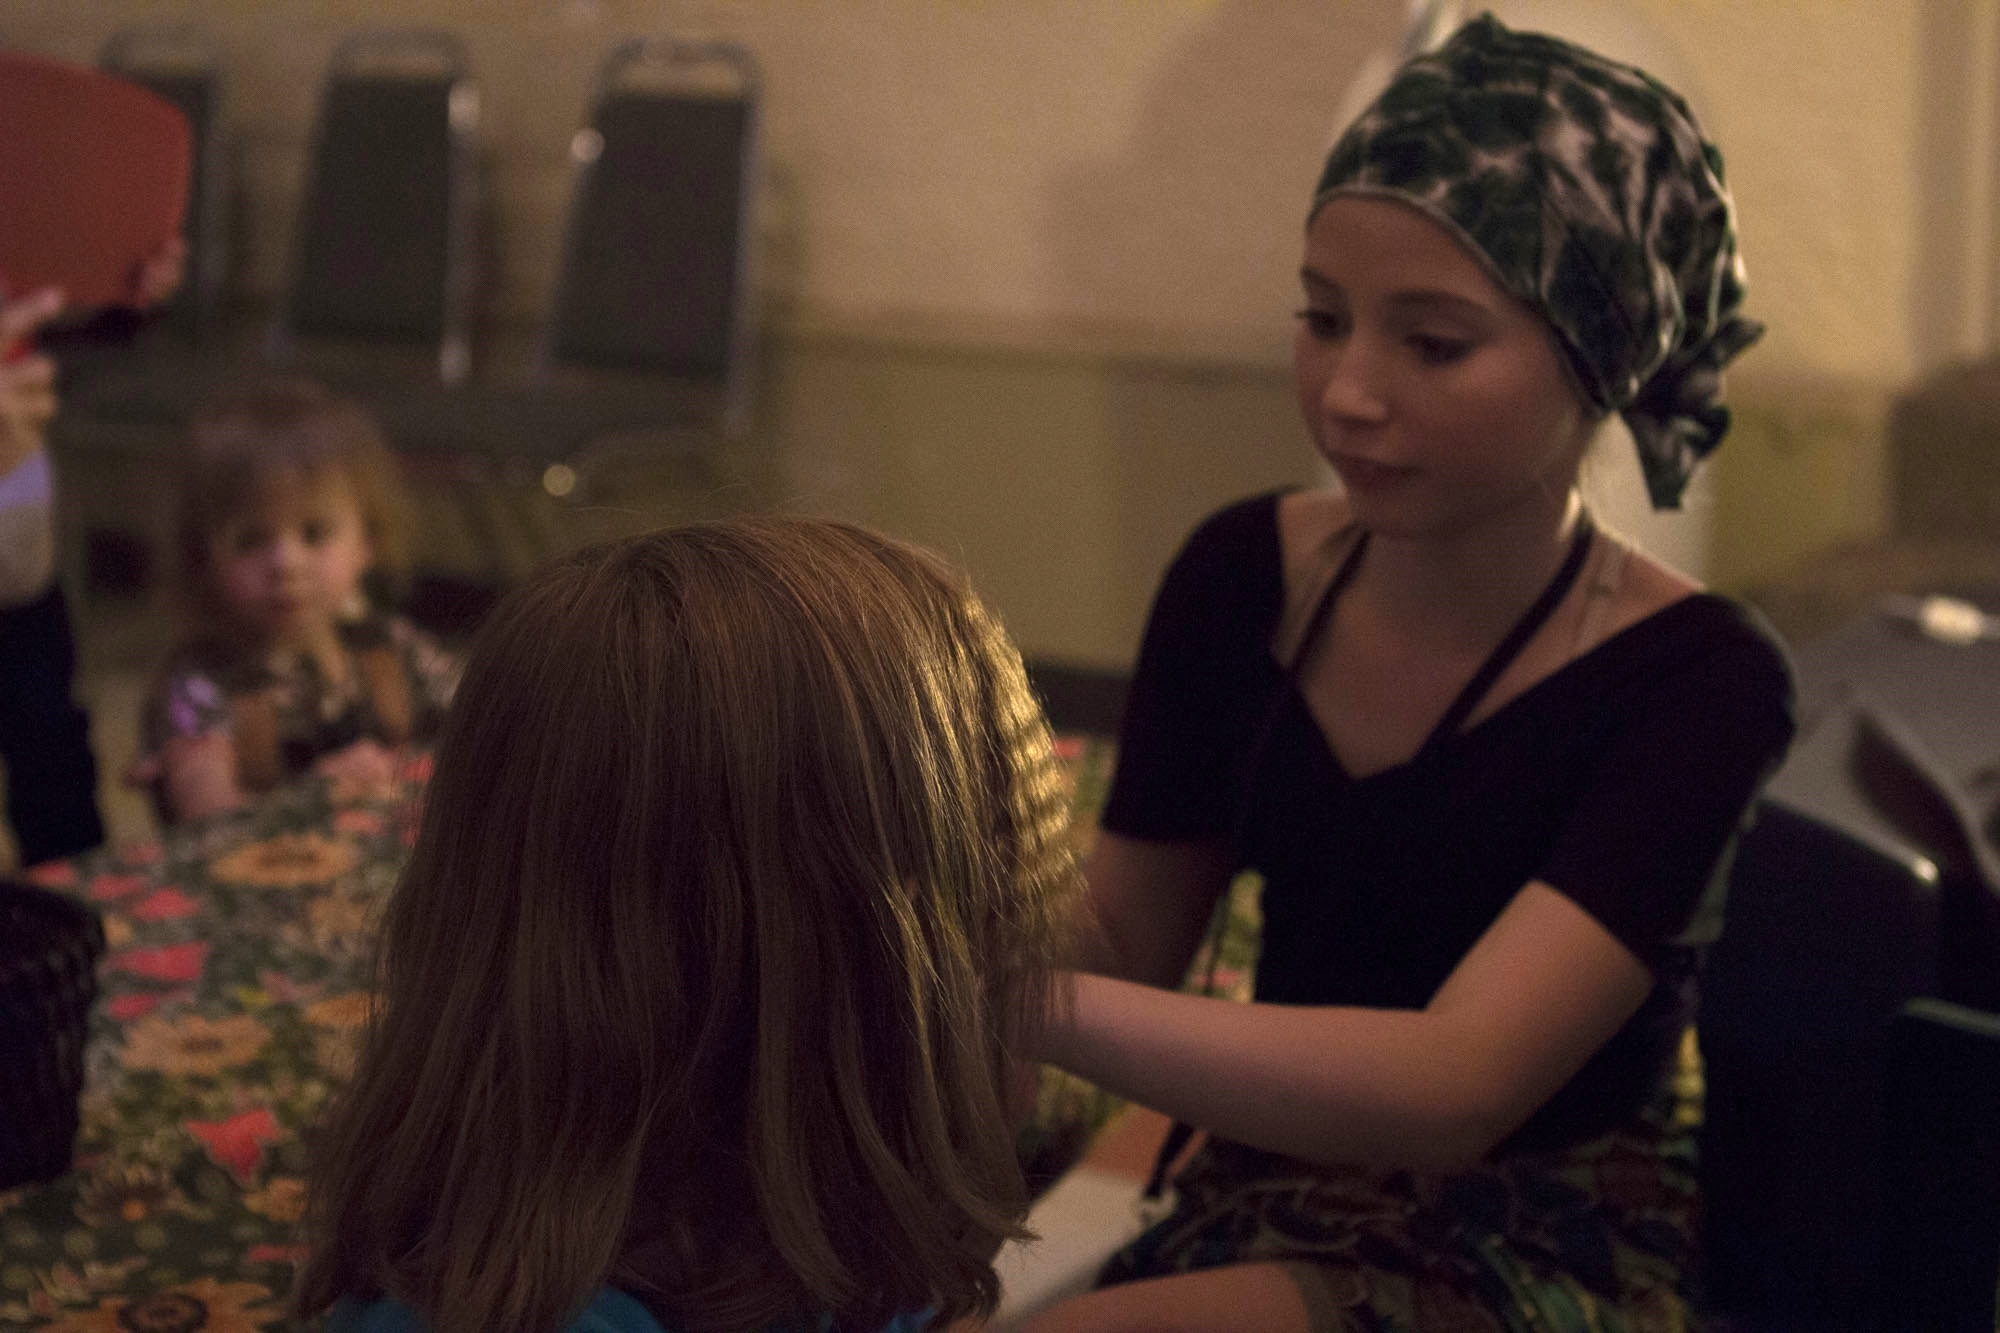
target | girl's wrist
x=1058, y=1037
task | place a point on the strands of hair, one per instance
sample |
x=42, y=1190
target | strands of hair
x=736, y=894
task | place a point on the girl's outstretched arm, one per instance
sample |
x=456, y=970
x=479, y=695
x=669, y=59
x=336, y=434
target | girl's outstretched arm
x=1538, y=994
x=1150, y=902
x=198, y=775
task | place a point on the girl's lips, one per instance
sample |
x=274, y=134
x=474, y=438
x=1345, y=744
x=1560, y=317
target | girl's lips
x=1367, y=474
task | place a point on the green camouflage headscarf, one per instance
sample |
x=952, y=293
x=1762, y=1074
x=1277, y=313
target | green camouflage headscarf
x=1587, y=190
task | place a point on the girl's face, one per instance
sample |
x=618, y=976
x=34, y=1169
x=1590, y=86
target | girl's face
x=290, y=567
x=1439, y=399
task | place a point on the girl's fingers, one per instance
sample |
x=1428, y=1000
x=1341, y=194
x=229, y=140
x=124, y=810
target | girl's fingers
x=160, y=275
x=19, y=319
x=30, y=411
x=27, y=403
x=29, y=379
x=26, y=377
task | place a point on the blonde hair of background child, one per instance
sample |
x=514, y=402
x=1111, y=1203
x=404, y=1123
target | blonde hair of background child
x=734, y=903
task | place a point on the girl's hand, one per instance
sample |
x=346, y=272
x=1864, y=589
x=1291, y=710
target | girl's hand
x=365, y=770
x=198, y=775
x=160, y=275
x=1434, y=1088
x=27, y=380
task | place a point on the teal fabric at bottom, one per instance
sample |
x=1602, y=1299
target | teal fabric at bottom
x=611, y=1312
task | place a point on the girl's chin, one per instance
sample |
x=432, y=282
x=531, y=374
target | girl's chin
x=1390, y=509
x=285, y=629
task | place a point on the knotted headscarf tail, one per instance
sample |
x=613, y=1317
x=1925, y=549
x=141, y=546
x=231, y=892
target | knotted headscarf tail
x=1586, y=189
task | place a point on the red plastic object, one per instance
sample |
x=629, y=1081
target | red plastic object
x=94, y=174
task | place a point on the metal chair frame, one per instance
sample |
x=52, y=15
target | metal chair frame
x=682, y=58
x=150, y=55
x=432, y=54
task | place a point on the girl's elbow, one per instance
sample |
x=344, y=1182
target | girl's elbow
x=1431, y=1137
x=1464, y=1145
x=1445, y=1145
x=1464, y=1126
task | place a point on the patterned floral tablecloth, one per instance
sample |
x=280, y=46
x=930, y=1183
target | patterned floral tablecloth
x=231, y=994
x=232, y=989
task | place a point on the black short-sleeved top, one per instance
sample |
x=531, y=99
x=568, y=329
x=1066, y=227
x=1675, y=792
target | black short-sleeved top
x=1620, y=780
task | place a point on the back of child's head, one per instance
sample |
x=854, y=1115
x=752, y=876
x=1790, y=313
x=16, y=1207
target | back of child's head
x=734, y=898
x=252, y=441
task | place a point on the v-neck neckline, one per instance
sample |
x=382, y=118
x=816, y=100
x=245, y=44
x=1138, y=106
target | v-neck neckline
x=1437, y=744
x=1485, y=676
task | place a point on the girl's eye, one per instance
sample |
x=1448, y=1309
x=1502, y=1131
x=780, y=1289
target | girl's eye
x=1323, y=325
x=245, y=540
x=314, y=532
x=1437, y=350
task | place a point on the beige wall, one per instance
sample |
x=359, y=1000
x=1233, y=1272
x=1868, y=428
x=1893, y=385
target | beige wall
x=1138, y=162
x=1027, y=263
x=1064, y=481
x=1816, y=104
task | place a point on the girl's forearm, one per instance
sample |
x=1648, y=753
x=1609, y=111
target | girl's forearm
x=199, y=775
x=1381, y=1086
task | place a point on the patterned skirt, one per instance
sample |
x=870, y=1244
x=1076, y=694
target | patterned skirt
x=1595, y=1238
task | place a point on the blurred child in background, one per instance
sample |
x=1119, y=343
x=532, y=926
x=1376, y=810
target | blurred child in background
x=290, y=510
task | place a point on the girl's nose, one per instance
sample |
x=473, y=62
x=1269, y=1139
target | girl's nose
x=1352, y=385
x=287, y=552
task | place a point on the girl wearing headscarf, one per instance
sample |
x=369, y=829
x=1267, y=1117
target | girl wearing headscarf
x=1487, y=759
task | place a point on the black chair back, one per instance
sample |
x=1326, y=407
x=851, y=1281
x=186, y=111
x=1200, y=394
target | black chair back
x=181, y=64
x=385, y=239
x=1941, y=1190
x=654, y=271
x=1827, y=937
x=1851, y=1145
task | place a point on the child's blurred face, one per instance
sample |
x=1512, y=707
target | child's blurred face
x=288, y=568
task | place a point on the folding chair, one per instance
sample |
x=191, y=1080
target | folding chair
x=1941, y=1192
x=1829, y=933
x=644, y=354
x=385, y=243
x=1851, y=1149
x=181, y=64
x=646, y=347
x=654, y=274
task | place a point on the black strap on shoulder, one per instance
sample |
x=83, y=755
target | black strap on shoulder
x=1497, y=661
x=1180, y=1132
x=1509, y=648
x=1288, y=675
x=1324, y=607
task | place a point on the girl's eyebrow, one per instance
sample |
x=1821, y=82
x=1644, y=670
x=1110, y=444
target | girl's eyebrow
x=1312, y=282
x=1417, y=299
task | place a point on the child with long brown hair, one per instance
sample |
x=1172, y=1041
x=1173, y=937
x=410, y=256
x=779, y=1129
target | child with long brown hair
x=290, y=507
x=730, y=914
